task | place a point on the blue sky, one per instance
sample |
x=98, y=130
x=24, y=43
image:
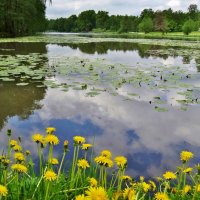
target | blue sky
x=65, y=8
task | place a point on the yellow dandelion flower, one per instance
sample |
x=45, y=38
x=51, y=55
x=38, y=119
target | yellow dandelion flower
x=19, y=168
x=121, y=161
x=3, y=191
x=13, y=143
x=146, y=187
x=106, y=153
x=159, y=178
x=126, y=178
x=52, y=139
x=17, y=148
x=198, y=188
x=19, y=156
x=2, y=157
x=169, y=175
x=188, y=170
x=80, y=197
x=54, y=161
x=98, y=193
x=50, y=175
x=161, y=196
x=129, y=193
x=186, y=156
x=86, y=146
x=5, y=162
x=79, y=140
x=50, y=130
x=153, y=185
x=38, y=138
x=82, y=163
x=101, y=160
x=117, y=195
x=93, y=182
x=186, y=189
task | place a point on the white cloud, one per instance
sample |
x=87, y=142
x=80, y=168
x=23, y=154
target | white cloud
x=174, y=3
x=130, y=7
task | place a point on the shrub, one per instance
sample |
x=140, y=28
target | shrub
x=146, y=25
x=189, y=26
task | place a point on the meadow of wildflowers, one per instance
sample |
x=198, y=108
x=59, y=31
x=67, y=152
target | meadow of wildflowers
x=89, y=177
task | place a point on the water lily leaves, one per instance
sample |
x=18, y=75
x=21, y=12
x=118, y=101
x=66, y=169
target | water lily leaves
x=92, y=94
x=22, y=84
x=160, y=109
x=7, y=79
x=97, y=75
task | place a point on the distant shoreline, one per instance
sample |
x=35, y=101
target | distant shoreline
x=195, y=36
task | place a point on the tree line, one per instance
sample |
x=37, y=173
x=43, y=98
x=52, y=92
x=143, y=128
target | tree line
x=148, y=21
x=22, y=17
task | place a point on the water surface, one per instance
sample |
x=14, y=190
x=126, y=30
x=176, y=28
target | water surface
x=123, y=117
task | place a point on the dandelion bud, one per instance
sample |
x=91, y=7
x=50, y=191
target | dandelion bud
x=28, y=153
x=9, y=133
x=20, y=139
x=198, y=168
x=65, y=145
x=141, y=178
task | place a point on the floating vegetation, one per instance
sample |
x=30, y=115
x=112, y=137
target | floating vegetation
x=82, y=38
x=86, y=74
x=86, y=177
x=159, y=109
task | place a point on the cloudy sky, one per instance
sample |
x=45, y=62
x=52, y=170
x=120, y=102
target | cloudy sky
x=64, y=8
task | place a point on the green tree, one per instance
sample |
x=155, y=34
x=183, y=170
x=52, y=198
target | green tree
x=160, y=22
x=102, y=20
x=125, y=24
x=86, y=21
x=71, y=23
x=189, y=26
x=21, y=17
x=172, y=25
x=147, y=13
x=146, y=25
x=193, y=11
x=114, y=22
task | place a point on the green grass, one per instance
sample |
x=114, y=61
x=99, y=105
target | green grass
x=153, y=35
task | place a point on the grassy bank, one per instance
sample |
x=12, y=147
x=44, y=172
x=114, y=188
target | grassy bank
x=194, y=36
x=86, y=177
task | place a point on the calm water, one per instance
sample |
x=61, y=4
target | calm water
x=132, y=127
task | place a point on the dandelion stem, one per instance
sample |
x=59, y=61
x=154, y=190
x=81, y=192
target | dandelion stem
x=47, y=191
x=40, y=157
x=61, y=164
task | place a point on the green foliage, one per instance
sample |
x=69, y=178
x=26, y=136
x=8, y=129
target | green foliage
x=102, y=20
x=189, y=26
x=160, y=22
x=193, y=11
x=21, y=17
x=86, y=21
x=149, y=20
x=146, y=25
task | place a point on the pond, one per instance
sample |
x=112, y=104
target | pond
x=137, y=100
